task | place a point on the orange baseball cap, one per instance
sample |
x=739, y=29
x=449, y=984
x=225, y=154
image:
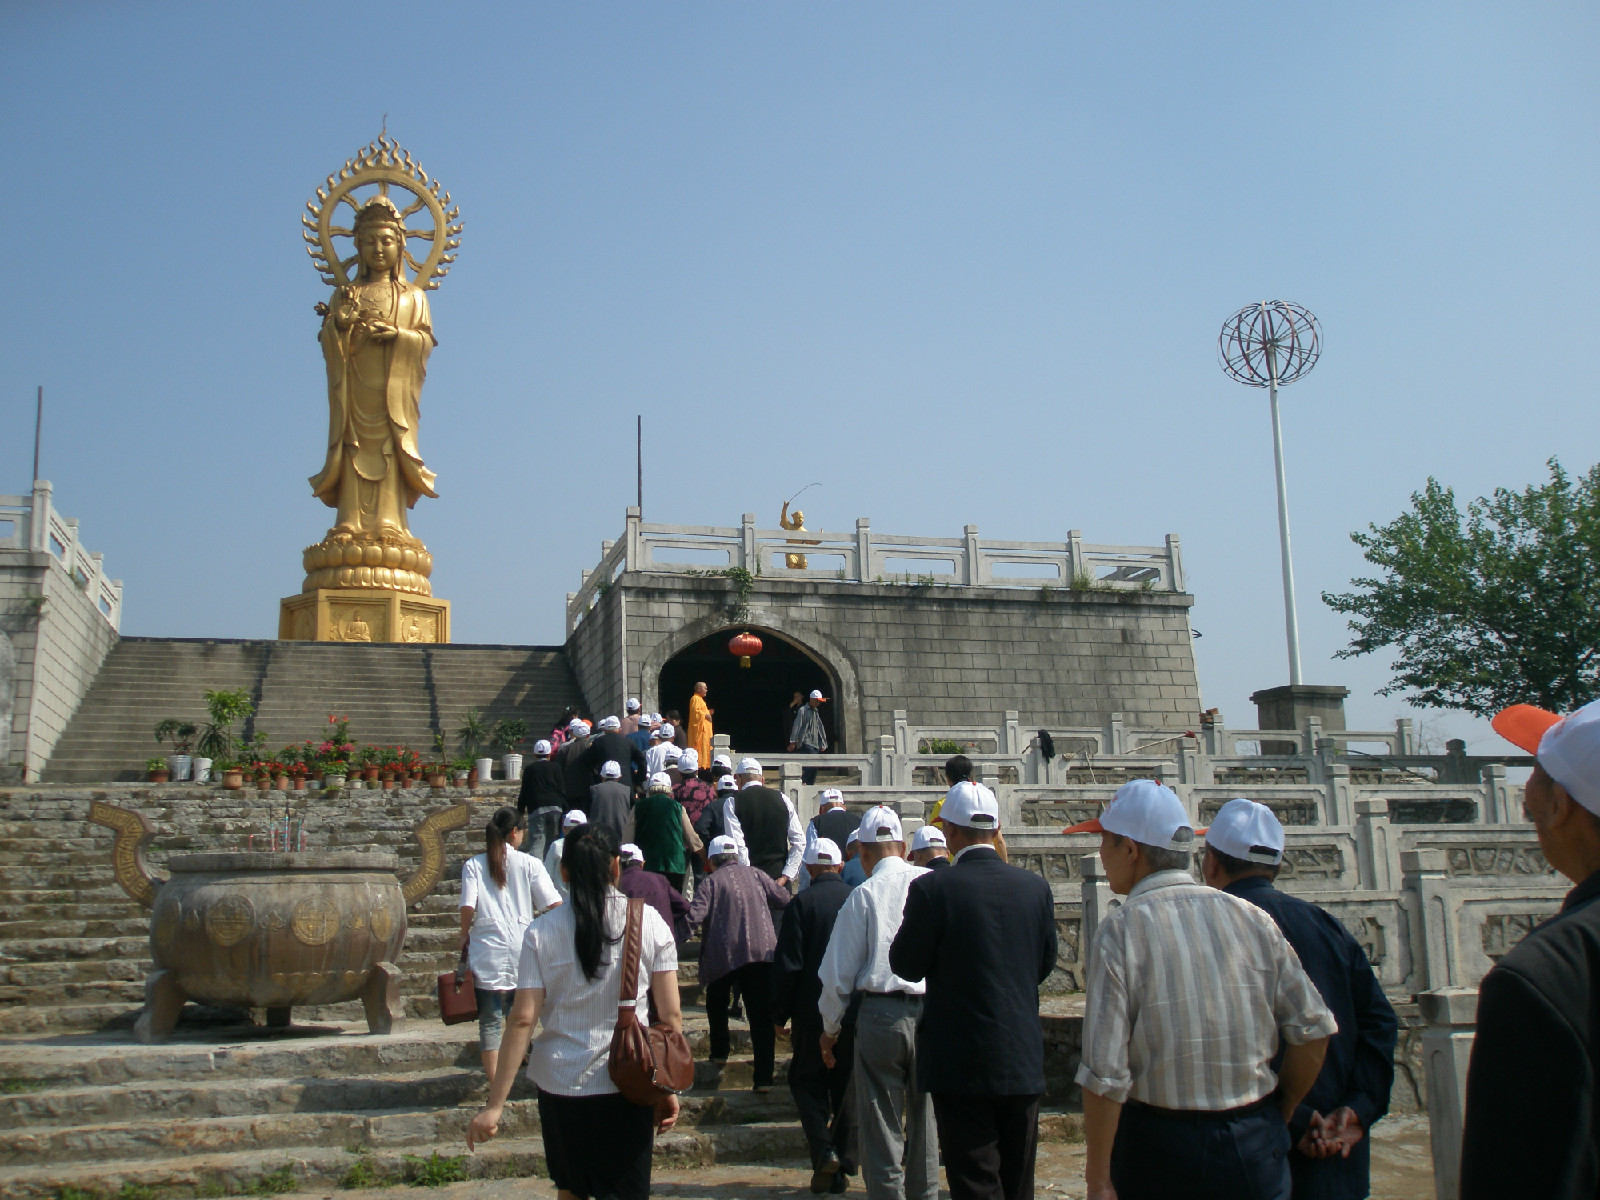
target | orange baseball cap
x=1523, y=725
x=1093, y=826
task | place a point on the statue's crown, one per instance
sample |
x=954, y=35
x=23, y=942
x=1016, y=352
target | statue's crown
x=379, y=210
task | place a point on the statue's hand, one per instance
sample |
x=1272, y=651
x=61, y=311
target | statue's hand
x=381, y=331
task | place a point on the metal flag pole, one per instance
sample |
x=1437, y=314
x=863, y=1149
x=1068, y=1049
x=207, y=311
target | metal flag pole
x=38, y=427
x=639, y=458
x=1267, y=345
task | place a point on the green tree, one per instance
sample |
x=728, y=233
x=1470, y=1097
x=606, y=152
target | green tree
x=1497, y=606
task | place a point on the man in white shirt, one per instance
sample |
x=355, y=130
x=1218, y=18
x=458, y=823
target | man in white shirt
x=763, y=825
x=893, y=1166
x=552, y=856
x=655, y=758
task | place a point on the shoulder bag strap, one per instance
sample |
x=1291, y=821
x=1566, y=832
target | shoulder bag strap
x=632, y=942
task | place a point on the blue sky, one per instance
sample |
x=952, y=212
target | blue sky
x=960, y=263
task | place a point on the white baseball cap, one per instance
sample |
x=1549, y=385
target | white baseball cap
x=816, y=695
x=667, y=730
x=610, y=724
x=971, y=806
x=723, y=845
x=629, y=852
x=573, y=819
x=1145, y=811
x=1568, y=748
x=688, y=760
x=661, y=780
x=748, y=766
x=671, y=754
x=577, y=725
x=824, y=852
x=610, y=769
x=727, y=783
x=541, y=748
x=927, y=837
x=722, y=760
x=880, y=824
x=1247, y=830
x=832, y=797
x=632, y=705
x=853, y=838
x=661, y=731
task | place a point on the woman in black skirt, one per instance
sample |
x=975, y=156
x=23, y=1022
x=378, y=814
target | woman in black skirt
x=597, y=1144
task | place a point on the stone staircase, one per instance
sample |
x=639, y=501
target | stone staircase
x=393, y=694
x=216, y=1111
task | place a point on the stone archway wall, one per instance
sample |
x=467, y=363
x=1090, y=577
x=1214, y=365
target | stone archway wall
x=645, y=666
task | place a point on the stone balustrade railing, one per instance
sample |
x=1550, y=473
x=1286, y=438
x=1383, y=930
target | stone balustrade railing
x=31, y=523
x=865, y=556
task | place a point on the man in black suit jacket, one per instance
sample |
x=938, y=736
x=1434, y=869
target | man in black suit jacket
x=983, y=934
x=818, y=1089
x=610, y=745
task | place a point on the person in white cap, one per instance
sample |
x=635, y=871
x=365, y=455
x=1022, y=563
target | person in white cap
x=1533, y=1113
x=630, y=716
x=552, y=857
x=832, y=821
x=639, y=883
x=577, y=774
x=808, y=735
x=982, y=935
x=1331, y=1155
x=541, y=797
x=817, y=1088
x=736, y=945
x=611, y=802
x=1189, y=993
x=763, y=824
x=660, y=743
x=929, y=848
x=658, y=825
x=895, y=1165
x=610, y=744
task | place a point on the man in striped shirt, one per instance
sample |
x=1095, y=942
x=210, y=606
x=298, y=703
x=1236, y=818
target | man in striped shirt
x=1189, y=991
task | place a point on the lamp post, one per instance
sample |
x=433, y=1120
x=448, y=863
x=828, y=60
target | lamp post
x=1266, y=345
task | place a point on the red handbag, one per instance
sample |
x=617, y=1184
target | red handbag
x=458, y=996
x=648, y=1063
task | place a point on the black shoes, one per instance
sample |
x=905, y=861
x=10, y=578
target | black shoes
x=828, y=1177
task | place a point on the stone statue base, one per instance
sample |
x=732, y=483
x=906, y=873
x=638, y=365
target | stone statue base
x=366, y=614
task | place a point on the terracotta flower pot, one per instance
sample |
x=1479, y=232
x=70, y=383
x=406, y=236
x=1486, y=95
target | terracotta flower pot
x=297, y=782
x=160, y=776
x=369, y=772
x=233, y=780
x=436, y=779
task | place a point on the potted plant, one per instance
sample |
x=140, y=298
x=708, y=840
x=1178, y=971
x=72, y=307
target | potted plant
x=181, y=735
x=371, y=763
x=231, y=772
x=224, y=709
x=461, y=771
x=507, y=735
x=434, y=773
x=157, y=771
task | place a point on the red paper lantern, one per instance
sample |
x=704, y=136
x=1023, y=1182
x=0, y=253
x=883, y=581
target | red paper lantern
x=744, y=645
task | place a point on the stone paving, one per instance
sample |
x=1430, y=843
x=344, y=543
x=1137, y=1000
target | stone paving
x=1401, y=1170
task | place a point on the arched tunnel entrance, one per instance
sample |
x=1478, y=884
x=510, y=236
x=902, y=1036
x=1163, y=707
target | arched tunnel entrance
x=750, y=704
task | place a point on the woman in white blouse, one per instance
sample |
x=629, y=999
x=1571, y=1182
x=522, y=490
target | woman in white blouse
x=597, y=1143
x=502, y=890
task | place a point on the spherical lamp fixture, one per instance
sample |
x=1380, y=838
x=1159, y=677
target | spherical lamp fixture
x=745, y=645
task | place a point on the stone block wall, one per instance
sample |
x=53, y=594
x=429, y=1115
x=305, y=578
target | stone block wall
x=944, y=654
x=58, y=646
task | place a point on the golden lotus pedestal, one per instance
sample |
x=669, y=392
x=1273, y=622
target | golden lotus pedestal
x=363, y=615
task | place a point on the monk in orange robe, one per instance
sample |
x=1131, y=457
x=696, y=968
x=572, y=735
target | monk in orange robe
x=699, y=732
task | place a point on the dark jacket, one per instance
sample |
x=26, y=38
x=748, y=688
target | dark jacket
x=542, y=786
x=615, y=747
x=1358, y=1070
x=610, y=804
x=575, y=773
x=983, y=934
x=638, y=884
x=802, y=941
x=764, y=818
x=835, y=825
x=1533, y=1118
x=937, y=864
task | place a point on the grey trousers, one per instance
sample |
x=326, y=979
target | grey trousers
x=898, y=1146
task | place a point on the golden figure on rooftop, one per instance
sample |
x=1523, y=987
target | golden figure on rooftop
x=795, y=523
x=376, y=336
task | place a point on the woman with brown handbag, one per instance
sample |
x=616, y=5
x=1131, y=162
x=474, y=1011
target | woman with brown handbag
x=597, y=1141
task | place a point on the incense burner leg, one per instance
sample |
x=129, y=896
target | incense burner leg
x=381, y=998
x=163, y=1001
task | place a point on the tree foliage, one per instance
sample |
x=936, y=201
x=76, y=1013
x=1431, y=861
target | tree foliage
x=1497, y=606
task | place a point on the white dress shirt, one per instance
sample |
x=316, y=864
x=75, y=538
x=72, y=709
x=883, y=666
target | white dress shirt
x=797, y=837
x=655, y=758
x=857, y=959
x=1189, y=990
x=500, y=915
x=568, y=1055
x=552, y=865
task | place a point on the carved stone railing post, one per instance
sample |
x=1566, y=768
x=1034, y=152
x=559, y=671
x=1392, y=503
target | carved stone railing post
x=749, y=551
x=791, y=788
x=1116, y=735
x=1375, y=862
x=1451, y=1014
x=1497, y=809
x=1337, y=808
x=1097, y=902
x=1433, y=928
x=885, y=761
